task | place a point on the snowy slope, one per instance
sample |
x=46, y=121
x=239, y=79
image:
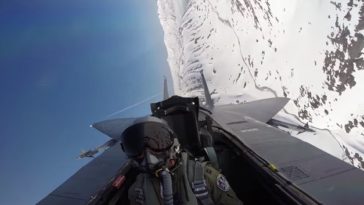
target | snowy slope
x=309, y=51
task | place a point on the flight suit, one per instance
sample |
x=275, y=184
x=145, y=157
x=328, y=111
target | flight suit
x=218, y=187
x=147, y=189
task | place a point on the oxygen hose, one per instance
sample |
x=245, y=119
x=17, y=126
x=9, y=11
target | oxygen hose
x=167, y=187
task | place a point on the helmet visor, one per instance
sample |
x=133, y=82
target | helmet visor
x=156, y=136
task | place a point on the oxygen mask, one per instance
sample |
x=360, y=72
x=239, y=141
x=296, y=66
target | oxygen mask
x=162, y=159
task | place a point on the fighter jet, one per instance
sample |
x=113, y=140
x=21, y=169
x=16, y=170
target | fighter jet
x=89, y=153
x=264, y=164
x=92, y=152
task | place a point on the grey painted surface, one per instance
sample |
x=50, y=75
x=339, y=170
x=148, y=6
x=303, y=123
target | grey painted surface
x=113, y=128
x=60, y=200
x=79, y=188
x=261, y=110
x=324, y=177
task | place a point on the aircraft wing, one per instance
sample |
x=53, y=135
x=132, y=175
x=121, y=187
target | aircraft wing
x=91, y=178
x=114, y=127
x=322, y=176
x=261, y=110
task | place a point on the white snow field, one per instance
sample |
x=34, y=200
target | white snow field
x=308, y=51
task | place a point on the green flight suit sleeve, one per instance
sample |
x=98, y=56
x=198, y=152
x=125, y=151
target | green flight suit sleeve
x=219, y=189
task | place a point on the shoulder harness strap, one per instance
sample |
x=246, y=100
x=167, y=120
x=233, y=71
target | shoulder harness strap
x=199, y=186
x=138, y=190
x=139, y=196
x=144, y=192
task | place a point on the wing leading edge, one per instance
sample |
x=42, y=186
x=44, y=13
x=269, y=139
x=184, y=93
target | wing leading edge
x=81, y=187
x=261, y=110
x=114, y=127
x=92, y=177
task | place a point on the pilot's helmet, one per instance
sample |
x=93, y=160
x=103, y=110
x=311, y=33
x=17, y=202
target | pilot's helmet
x=149, y=132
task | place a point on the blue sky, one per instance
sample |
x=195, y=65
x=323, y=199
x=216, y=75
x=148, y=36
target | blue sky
x=64, y=65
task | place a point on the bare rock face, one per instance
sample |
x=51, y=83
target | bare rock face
x=309, y=51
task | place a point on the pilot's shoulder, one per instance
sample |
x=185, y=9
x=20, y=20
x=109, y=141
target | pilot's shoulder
x=215, y=178
x=209, y=170
x=219, y=187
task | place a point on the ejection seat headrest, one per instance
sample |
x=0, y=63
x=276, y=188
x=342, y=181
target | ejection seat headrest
x=181, y=115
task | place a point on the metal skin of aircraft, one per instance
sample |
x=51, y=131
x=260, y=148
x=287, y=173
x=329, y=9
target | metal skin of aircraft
x=263, y=164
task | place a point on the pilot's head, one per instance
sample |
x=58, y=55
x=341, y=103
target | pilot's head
x=151, y=141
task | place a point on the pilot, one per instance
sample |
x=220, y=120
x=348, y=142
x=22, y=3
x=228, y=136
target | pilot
x=168, y=175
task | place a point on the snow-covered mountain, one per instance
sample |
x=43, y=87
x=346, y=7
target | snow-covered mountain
x=309, y=51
